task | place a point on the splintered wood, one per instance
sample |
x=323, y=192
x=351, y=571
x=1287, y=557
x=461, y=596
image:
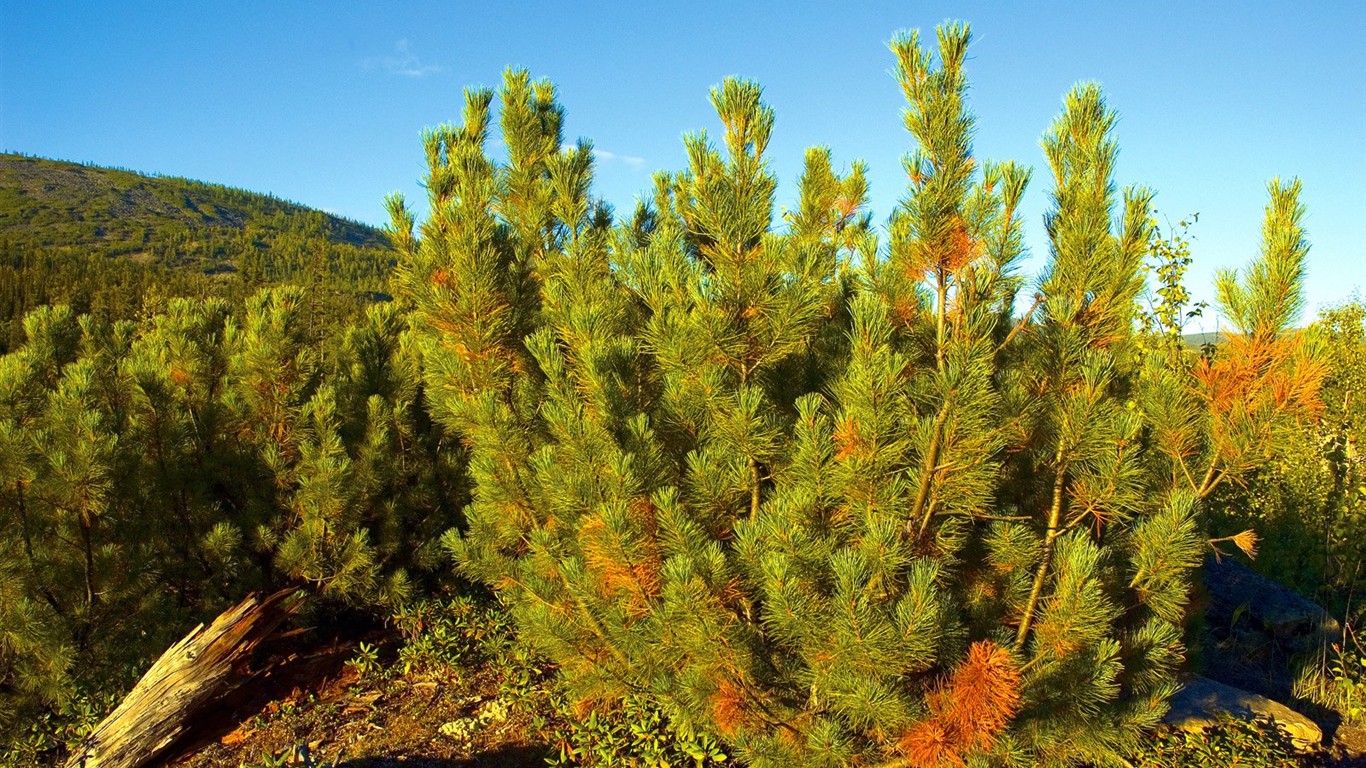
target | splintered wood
x=204, y=667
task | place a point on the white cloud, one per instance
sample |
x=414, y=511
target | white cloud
x=404, y=63
x=630, y=161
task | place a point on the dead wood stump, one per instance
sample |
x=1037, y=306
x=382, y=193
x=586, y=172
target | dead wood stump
x=207, y=665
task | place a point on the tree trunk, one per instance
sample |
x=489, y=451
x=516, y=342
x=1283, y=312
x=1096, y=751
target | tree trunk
x=207, y=665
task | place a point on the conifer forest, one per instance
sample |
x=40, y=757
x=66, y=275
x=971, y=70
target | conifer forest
x=723, y=479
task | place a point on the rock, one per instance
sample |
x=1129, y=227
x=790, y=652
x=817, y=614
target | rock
x=1236, y=590
x=1351, y=740
x=1198, y=705
x=1256, y=629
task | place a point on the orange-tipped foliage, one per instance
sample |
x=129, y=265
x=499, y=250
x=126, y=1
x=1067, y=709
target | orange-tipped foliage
x=930, y=744
x=1255, y=380
x=1247, y=542
x=962, y=248
x=906, y=308
x=729, y=708
x=983, y=695
x=848, y=441
x=1261, y=371
x=968, y=711
x=624, y=572
x=945, y=254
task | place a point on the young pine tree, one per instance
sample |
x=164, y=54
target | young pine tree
x=343, y=485
x=834, y=502
x=79, y=562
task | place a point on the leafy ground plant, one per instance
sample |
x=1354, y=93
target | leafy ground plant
x=1231, y=742
x=449, y=636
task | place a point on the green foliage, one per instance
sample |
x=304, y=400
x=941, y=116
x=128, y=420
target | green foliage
x=111, y=243
x=1266, y=300
x=1308, y=501
x=775, y=489
x=1339, y=683
x=1170, y=256
x=366, y=662
x=42, y=737
x=445, y=637
x=299, y=756
x=439, y=637
x=633, y=733
x=157, y=471
x=821, y=498
x=1231, y=742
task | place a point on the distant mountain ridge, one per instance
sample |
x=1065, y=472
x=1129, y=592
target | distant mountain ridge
x=38, y=193
x=186, y=236
x=1199, y=340
x=106, y=240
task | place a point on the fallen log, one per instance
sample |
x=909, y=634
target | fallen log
x=206, y=666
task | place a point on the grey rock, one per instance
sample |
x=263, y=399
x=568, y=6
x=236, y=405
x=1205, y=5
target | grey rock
x=1198, y=706
x=1236, y=590
x=1351, y=740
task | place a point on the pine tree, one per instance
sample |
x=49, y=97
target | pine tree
x=155, y=471
x=36, y=652
x=176, y=368
x=411, y=487
x=79, y=561
x=368, y=491
x=344, y=484
x=833, y=501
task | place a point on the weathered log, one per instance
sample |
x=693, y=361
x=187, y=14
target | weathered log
x=204, y=667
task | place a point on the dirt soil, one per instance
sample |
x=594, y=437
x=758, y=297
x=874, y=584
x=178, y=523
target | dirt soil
x=323, y=711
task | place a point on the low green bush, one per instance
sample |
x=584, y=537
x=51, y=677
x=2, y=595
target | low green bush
x=451, y=636
x=1231, y=743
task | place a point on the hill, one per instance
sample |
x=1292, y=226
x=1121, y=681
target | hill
x=111, y=208
x=106, y=240
x=1207, y=338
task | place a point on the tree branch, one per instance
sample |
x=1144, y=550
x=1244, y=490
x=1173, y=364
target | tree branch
x=1041, y=575
x=920, y=509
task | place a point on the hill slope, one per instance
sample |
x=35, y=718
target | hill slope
x=105, y=240
x=112, y=208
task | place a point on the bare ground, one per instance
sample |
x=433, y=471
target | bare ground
x=324, y=711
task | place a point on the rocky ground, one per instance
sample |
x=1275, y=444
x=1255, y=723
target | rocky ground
x=1256, y=635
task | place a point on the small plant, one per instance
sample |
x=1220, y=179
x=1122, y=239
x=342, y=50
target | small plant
x=298, y=756
x=366, y=662
x=1349, y=679
x=442, y=636
x=1337, y=682
x=269, y=761
x=1169, y=258
x=631, y=732
x=45, y=735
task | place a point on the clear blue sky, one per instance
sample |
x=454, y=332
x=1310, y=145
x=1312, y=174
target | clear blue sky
x=323, y=103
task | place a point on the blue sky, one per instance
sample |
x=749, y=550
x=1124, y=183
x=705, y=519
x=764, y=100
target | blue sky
x=323, y=103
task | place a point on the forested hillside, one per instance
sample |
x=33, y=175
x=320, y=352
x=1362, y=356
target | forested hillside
x=105, y=240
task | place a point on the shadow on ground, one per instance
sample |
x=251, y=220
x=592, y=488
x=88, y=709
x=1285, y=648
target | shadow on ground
x=507, y=756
